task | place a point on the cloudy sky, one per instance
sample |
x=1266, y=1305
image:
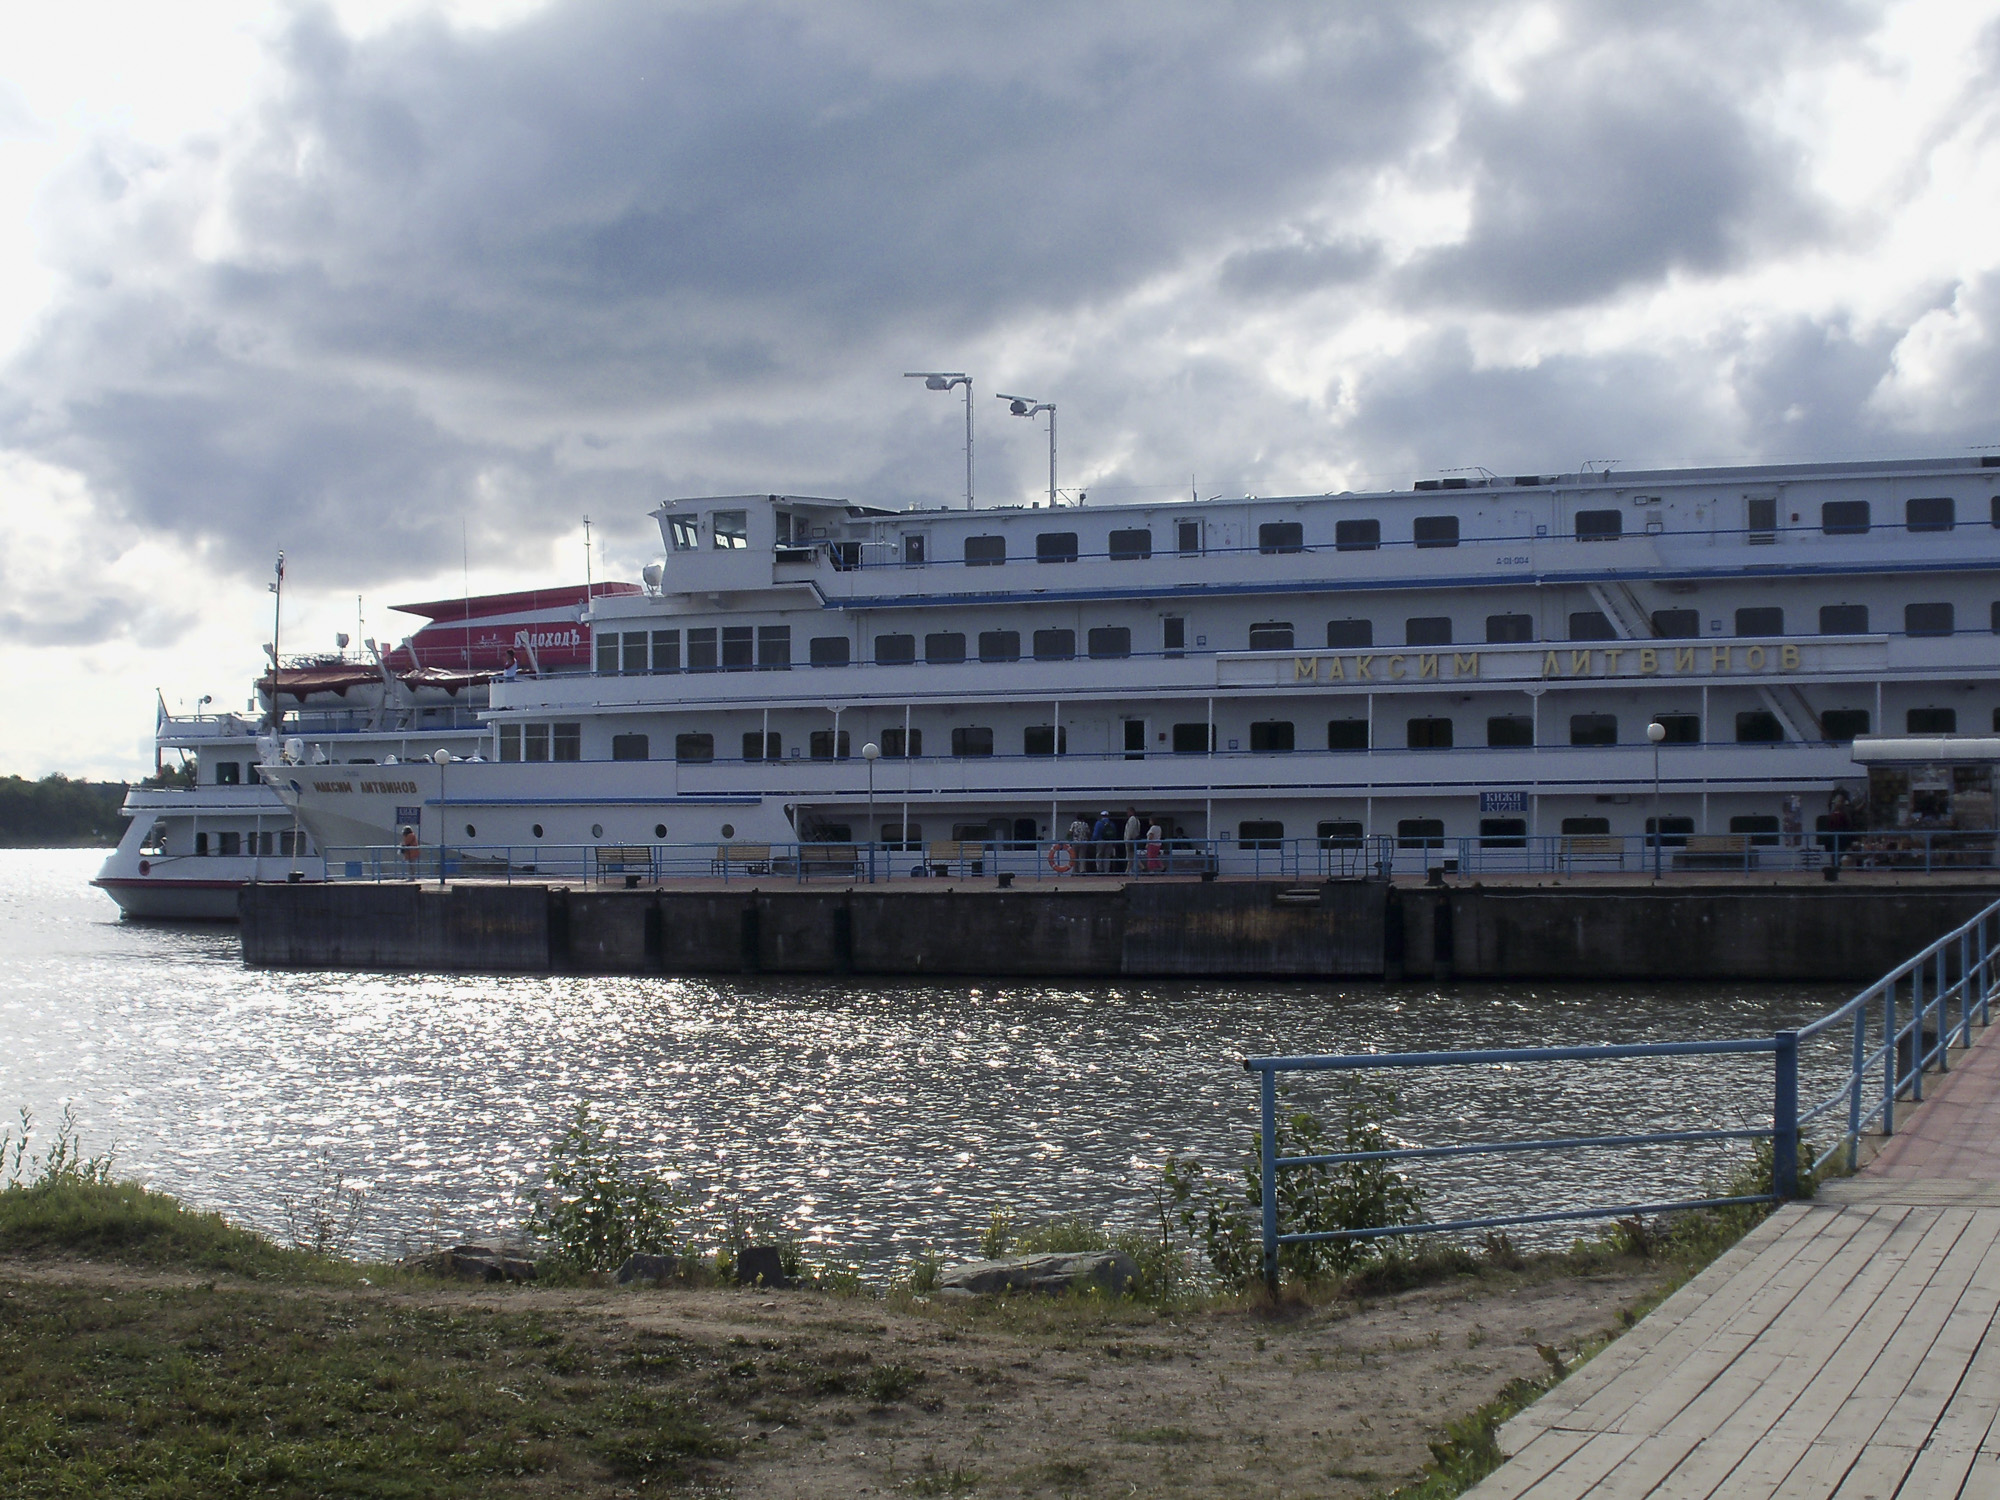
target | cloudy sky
x=409, y=290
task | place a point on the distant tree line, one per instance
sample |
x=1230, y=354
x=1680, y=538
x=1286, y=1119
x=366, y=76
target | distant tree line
x=57, y=813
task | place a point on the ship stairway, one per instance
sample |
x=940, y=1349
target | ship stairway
x=1792, y=711
x=1622, y=608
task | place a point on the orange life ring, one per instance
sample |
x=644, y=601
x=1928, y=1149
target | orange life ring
x=1062, y=858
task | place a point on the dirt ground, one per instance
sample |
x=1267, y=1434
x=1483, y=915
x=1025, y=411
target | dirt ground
x=842, y=1396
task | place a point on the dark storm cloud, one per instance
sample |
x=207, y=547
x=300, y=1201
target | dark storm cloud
x=620, y=250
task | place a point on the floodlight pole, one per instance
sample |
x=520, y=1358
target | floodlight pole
x=944, y=380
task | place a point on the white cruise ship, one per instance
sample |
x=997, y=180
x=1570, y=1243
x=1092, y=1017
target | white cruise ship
x=1470, y=660
x=202, y=829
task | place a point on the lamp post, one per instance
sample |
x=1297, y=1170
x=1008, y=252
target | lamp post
x=1656, y=731
x=441, y=758
x=944, y=380
x=871, y=752
x=1028, y=406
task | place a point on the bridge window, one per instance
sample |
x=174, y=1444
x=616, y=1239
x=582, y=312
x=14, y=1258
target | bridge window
x=684, y=532
x=732, y=530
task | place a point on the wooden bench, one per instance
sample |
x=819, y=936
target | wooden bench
x=1715, y=851
x=741, y=859
x=956, y=857
x=828, y=859
x=633, y=861
x=1596, y=847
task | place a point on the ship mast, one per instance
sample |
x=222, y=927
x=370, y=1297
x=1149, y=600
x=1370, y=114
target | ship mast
x=277, y=619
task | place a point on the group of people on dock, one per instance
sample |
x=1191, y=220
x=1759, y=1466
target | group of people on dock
x=1110, y=845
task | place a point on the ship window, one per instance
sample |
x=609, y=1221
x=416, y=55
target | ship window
x=1270, y=736
x=229, y=844
x=1339, y=833
x=903, y=835
x=1129, y=545
x=1281, y=536
x=1428, y=734
x=1759, y=726
x=1347, y=734
x=1585, y=827
x=634, y=657
x=732, y=530
x=566, y=742
x=1760, y=519
x=628, y=747
x=607, y=654
x=510, y=741
x=971, y=740
x=758, y=746
x=1106, y=642
x=1927, y=619
x=666, y=651
x=1055, y=645
x=1762, y=619
x=1682, y=729
x=1843, y=619
x=535, y=742
x=985, y=551
x=1931, y=721
x=1436, y=531
x=824, y=744
x=1193, y=739
x=774, y=648
x=1673, y=831
x=1593, y=729
x=1762, y=828
x=999, y=645
x=1591, y=625
x=1254, y=833
x=694, y=747
x=1843, y=724
x=891, y=650
x=1599, y=525
x=685, y=532
x=1428, y=630
x=1420, y=833
x=944, y=647
x=846, y=556
x=828, y=650
x=701, y=649
x=1503, y=833
x=1936, y=513
x=1357, y=536
x=1044, y=739
x=1173, y=634
x=1272, y=635
x=913, y=549
x=1055, y=547
x=1505, y=629
x=1677, y=624
x=892, y=743
x=1187, y=537
x=1510, y=731
x=228, y=773
x=1345, y=635
x=1844, y=518
x=737, y=647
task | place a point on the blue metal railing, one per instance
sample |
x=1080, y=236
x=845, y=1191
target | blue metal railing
x=1959, y=967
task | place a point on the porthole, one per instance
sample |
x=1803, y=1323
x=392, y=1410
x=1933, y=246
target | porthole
x=659, y=830
x=471, y=832
x=597, y=830
x=729, y=830
x=537, y=830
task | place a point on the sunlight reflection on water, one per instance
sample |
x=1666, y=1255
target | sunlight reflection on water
x=874, y=1117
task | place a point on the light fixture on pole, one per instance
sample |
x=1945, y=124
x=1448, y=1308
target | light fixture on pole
x=1028, y=406
x=1656, y=731
x=441, y=758
x=944, y=380
x=871, y=752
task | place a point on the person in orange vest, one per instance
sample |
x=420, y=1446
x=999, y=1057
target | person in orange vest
x=409, y=844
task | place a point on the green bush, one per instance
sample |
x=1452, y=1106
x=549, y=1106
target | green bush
x=596, y=1208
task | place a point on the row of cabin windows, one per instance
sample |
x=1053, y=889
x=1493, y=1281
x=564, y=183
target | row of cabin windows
x=742, y=648
x=257, y=845
x=542, y=742
x=1494, y=833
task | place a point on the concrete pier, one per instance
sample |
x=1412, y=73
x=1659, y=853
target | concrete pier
x=1222, y=929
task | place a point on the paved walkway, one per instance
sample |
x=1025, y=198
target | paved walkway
x=1846, y=1347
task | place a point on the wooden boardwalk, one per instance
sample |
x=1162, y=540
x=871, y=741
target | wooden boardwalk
x=1846, y=1347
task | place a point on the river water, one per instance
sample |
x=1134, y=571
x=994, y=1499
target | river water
x=874, y=1118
